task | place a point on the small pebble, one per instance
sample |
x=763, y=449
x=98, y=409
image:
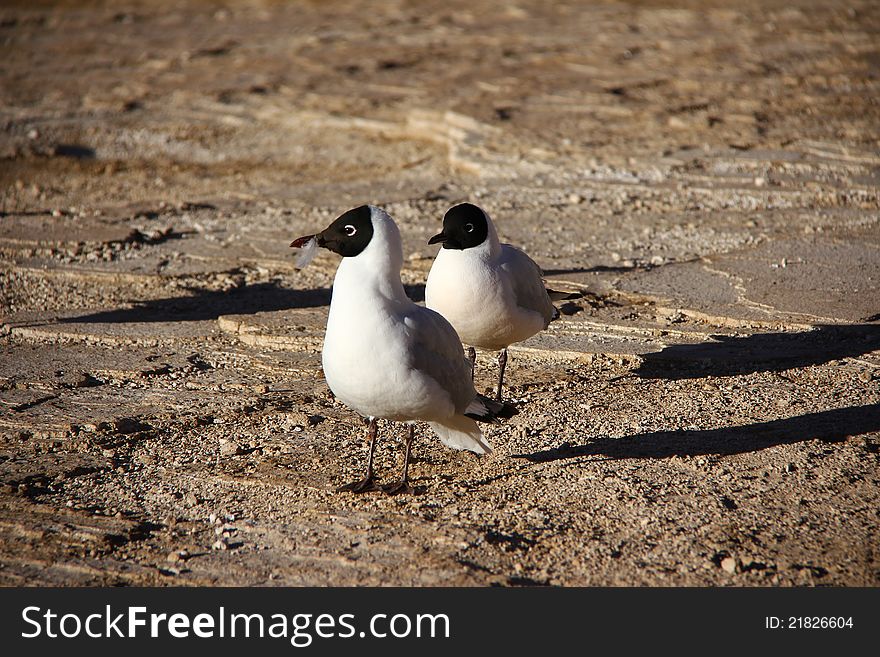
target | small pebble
x=229, y=447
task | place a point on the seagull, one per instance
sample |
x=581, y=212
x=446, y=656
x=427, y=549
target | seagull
x=386, y=357
x=492, y=293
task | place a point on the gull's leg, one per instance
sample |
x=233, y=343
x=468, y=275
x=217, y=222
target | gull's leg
x=368, y=483
x=502, y=363
x=472, y=356
x=403, y=486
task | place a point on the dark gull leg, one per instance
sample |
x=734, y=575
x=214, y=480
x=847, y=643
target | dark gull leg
x=472, y=356
x=368, y=483
x=403, y=486
x=502, y=363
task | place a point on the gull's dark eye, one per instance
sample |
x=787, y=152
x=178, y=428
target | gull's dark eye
x=469, y=228
x=350, y=230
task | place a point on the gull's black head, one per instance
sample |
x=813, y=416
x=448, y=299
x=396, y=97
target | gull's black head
x=347, y=236
x=464, y=226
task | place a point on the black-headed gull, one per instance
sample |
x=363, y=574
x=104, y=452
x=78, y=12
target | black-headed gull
x=386, y=357
x=492, y=293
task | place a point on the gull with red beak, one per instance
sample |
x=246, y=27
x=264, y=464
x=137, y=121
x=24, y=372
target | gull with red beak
x=386, y=357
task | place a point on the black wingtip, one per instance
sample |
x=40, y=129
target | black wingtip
x=507, y=411
x=494, y=412
x=557, y=295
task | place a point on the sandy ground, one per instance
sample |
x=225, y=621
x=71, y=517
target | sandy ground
x=706, y=412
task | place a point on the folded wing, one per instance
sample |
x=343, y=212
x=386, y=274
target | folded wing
x=526, y=279
x=438, y=353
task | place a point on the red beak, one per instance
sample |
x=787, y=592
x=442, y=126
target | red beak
x=300, y=242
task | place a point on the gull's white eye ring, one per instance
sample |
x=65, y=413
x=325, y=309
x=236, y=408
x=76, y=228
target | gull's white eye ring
x=469, y=228
x=350, y=230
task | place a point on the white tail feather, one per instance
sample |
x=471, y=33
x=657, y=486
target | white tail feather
x=460, y=432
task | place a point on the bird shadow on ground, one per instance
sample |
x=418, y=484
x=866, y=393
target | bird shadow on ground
x=210, y=304
x=761, y=352
x=591, y=270
x=829, y=426
x=615, y=269
x=204, y=305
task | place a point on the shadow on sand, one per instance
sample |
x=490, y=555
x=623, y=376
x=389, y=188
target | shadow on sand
x=210, y=304
x=762, y=352
x=830, y=426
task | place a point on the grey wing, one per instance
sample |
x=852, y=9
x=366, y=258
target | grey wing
x=526, y=279
x=437, y=351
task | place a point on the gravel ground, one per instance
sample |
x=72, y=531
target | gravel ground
x=703, y=179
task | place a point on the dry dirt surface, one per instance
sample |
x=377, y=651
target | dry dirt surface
x=701, y=176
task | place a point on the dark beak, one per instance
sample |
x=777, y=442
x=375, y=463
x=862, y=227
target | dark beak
x=300, y=242
x=439, y=238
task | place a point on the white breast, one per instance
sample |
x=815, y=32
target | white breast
x=366, y=358
x=475, y=295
